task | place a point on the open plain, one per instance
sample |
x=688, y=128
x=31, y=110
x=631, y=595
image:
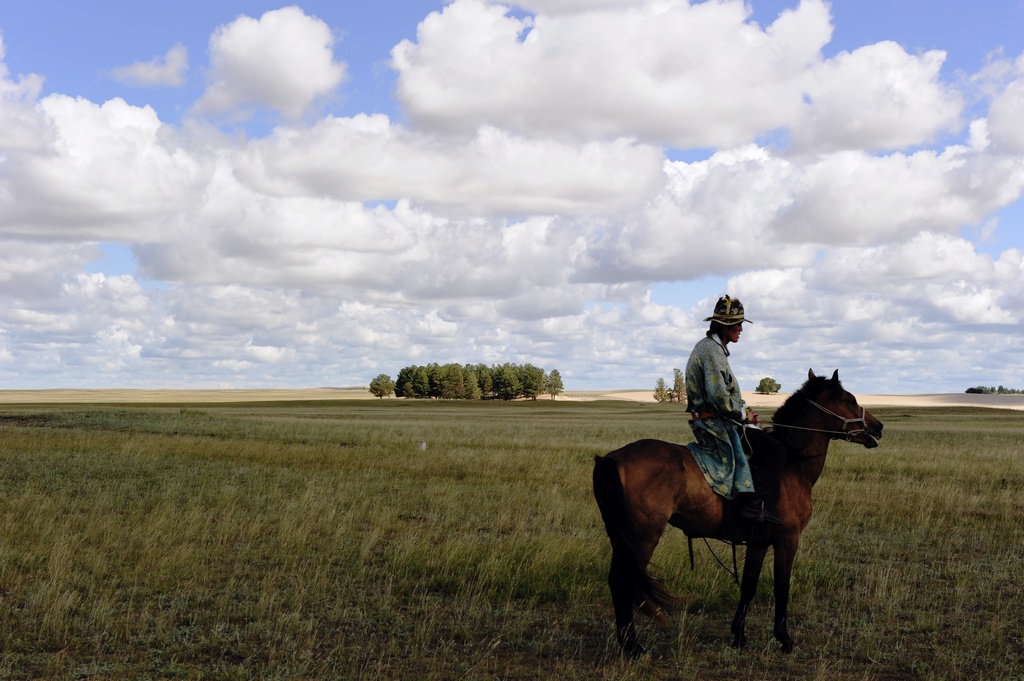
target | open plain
x=187, y=396
x=274, y=536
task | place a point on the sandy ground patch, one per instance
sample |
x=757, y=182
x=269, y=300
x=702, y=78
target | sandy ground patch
x=349, y=393
x=756, y=400
x=164, y=396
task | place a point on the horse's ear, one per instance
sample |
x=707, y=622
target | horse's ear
x=835, y=376
x=810, y=374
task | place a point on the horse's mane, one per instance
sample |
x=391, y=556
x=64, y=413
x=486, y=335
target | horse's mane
x=811, y=389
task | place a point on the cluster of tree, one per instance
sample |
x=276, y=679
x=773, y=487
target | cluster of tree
x=469, y=382
x=662, y=393
x=983, y=390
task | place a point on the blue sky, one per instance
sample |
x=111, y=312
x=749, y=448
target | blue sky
x=76, y=45
x=254, y=194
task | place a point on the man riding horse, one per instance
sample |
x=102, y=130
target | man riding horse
x=727, y=433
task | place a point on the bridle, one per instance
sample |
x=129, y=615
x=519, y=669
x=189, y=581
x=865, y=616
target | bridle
x=846, y=433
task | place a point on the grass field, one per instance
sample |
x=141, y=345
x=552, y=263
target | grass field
x=309, y=540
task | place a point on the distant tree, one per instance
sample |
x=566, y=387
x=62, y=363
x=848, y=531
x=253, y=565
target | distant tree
x=382, y=386
x=993, y=390
x=473, y=391
x=456, y=382
x=553, y=384
x=531, y=381
x=450, y=383
x=434, y=378
x=485, y=379
x=661, y=391
x=506, y=382
x=768, y=386
x=420, y=382
x=678, y=385
x=404, y=383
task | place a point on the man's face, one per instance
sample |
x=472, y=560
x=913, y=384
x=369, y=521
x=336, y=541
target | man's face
x=731, y=334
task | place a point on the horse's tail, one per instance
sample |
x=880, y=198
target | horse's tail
x=630, y=582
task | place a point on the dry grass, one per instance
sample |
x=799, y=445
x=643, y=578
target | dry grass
x=315, y=540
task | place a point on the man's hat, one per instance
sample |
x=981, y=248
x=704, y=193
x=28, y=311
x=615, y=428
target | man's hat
x=728, y=311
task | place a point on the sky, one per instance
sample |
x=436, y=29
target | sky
x=263, y=195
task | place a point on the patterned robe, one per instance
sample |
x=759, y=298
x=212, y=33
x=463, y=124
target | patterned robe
x=711, y=387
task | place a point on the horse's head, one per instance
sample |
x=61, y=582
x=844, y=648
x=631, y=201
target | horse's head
x=835, y=410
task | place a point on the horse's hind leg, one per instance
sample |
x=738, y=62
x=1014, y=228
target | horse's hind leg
x=647, y=606
x=622, y=580
x=620, y=583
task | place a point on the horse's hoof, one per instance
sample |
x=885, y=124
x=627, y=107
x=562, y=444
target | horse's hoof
x=739, y=642
x=634, y=651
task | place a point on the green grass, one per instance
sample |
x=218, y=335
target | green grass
x=306, y=540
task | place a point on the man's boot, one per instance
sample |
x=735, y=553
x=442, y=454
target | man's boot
x=757, y=509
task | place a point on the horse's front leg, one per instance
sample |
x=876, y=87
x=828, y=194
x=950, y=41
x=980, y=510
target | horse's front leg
x=785, y=553
x=748, y=588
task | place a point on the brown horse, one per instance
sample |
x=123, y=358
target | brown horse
x=649, y=484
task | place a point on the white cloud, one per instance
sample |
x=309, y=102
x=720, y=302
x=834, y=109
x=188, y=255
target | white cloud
x=105, y=173
x=886, y=316
x=5, y=355
x=20, y=128
x=855, y=197
x=270, y=354
x=31, y=268
x=366, y=158
x=688, y=75
x=682, y=74
x=877, y=97
x=283, y=61
x=1006, y=113
x=561, y=6
x=712, y=216
x=167, y=70
x=927, y=287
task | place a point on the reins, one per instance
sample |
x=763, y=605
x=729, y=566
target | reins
x=734, y=572
x=845, y=433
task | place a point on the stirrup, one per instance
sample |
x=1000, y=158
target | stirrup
x=756, y=510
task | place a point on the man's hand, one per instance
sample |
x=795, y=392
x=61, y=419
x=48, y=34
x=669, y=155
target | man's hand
x=752, y=417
